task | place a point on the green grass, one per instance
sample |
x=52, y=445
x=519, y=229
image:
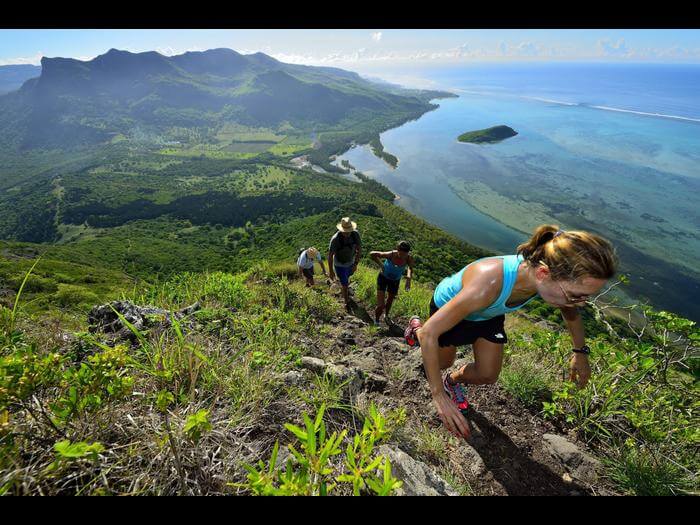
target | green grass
x=642, y=472
x=527, y=380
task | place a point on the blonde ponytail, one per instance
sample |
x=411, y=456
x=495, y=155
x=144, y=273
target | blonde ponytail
x=570, y=255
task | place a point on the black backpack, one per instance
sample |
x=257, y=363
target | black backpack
x=346, y=251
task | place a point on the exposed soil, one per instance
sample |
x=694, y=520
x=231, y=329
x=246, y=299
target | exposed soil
x=506, y=454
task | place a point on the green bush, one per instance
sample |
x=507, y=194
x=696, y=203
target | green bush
x=34, y=284
x=75, y=296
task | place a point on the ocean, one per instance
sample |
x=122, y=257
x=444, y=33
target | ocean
x=610, y=148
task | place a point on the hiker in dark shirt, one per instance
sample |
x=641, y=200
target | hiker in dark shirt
x=344, y=254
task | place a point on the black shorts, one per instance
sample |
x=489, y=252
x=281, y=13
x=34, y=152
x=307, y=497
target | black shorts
x=308, y=272
x=466, y=332
x=384, y=284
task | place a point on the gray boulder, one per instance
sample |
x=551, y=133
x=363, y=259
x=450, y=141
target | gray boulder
x=417, y=477
x=580, y=465
x=354, y=377
x=314, y=364
x=363, y=359
x=105, y=318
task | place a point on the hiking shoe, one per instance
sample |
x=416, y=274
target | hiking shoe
x=455, y=393
x=410, y=333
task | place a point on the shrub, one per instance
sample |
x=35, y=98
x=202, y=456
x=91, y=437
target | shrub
x=70, y=295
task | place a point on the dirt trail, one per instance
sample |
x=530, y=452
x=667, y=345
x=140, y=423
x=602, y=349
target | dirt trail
x=507, y=453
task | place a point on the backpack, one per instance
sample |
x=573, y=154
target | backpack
x=346, y=251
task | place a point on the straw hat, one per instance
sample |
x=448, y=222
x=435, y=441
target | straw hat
x=346, y=225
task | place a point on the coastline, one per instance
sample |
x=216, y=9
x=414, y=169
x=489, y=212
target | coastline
x=412, y=119
x=481, y=209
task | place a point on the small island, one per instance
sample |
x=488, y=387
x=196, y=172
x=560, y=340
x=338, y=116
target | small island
x=489, y=135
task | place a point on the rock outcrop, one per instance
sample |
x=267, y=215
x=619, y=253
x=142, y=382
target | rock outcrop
x=417, y=477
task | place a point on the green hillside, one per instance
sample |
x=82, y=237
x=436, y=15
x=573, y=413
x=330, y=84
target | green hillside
x=180, y=190
x=201, y=403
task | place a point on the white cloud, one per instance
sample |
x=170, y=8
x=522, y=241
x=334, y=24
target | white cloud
x=608, y=48
x=34, y=60
x=170, y=51
x=523, y=50
x=377, y=36
x=527, y=49
x=167, y=51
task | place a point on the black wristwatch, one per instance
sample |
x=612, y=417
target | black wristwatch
x=583, y=350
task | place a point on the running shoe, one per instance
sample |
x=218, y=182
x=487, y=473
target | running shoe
x=410, y=333
x=455, y=393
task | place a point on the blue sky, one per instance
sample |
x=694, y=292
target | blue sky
x=366, y=50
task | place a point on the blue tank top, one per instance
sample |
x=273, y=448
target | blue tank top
x=393, y=271
x=452, y=285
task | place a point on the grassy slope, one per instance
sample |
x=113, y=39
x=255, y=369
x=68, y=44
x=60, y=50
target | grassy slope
x=229, y=360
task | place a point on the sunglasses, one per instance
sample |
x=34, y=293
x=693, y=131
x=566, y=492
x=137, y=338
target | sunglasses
x=579, y=299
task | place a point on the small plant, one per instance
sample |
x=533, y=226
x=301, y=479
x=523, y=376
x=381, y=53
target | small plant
x=68, y=453
x=361, y=463
x=310, y=471
x=164, y=399
x=90, y=385
x=24, y=371
x=197, y=425
x=258, y=360
x=327, y=391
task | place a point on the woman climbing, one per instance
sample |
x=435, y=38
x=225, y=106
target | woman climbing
x=389, y=278
x=563, y=268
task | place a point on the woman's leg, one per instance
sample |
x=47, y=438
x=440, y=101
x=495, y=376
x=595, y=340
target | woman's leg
x=389, y=301
x=447, y=356
x=488, y=358
x=380, y=305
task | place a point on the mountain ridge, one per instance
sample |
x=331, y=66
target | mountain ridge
x=76, y=102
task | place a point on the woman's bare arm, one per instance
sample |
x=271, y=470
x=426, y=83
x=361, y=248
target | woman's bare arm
x=377, y=256
x=579, y=365
x=481, y=285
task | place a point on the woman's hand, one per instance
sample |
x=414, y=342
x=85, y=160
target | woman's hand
x=580, y=369
x=451, y=417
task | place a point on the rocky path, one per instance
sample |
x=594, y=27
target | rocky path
x=511, y=452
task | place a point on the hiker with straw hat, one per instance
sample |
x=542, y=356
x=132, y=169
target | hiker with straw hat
x=305, y=263
x=344, y=254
